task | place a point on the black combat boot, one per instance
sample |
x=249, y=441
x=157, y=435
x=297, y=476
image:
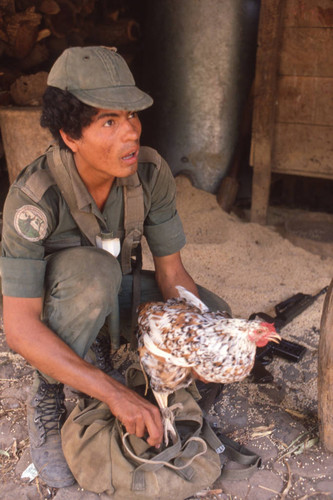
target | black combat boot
x=101, y=351
x=46, y=414
x=100, y=355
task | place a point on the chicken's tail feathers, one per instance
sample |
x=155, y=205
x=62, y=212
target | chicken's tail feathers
x=191, y=299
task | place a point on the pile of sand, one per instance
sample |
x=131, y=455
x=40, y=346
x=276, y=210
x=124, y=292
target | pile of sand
x=251, y=266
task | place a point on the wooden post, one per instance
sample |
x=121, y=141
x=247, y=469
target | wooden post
x=22, y=136
x=325, y=373
x=265, y=97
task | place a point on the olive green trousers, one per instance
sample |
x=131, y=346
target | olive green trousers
x=84, y=286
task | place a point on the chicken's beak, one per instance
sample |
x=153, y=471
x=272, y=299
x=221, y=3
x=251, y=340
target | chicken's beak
x=275, y=337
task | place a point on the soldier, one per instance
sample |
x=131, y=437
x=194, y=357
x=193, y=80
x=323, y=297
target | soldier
x=58, y=288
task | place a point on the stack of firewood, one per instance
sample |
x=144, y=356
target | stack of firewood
x=34, y=33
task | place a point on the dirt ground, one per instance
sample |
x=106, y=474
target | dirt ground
x=253, y=268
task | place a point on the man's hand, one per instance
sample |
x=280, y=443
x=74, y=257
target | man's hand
x=137, y=415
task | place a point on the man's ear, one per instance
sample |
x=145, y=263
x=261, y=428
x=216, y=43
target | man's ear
x=69, y=141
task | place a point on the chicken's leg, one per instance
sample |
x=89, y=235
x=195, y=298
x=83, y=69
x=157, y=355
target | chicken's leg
x=162, y=401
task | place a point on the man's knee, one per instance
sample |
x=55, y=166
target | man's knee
x=83, y=271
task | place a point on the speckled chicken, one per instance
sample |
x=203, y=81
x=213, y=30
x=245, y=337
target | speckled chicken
x=181, y=339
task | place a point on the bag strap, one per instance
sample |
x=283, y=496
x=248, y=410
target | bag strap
x=136, y=295
x=164, y=459
x=242, y=455
x=133, y=221
x=228, y=448
x=87, y=221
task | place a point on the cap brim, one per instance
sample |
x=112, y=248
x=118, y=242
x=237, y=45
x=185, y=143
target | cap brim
x=125, y=98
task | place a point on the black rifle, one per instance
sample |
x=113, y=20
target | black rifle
x=285, y=312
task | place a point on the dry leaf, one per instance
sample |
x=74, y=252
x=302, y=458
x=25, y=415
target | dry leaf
x=296, y=413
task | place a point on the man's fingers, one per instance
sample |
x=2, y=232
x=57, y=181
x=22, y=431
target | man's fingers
x=139, y=416
x=146, y=421
x=140, y=429
x=155, y=429
x=130, y=427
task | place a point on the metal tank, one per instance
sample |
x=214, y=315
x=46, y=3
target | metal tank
x=199, y=58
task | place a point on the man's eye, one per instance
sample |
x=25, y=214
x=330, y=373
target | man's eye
x=132, y=114
x=109, y=123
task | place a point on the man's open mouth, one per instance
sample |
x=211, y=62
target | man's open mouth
x=129, y=156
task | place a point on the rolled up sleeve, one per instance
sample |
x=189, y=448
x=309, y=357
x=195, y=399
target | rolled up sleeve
x=22, y=277
x=22, y=262
x=163, y=228
x=166, y=238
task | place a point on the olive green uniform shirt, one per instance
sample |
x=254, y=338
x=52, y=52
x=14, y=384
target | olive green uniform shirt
x=37, y=221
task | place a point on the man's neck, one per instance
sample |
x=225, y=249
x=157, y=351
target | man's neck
x=98, y=186
x=100, y=195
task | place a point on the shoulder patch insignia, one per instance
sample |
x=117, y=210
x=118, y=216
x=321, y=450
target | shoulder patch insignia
x=30, y=222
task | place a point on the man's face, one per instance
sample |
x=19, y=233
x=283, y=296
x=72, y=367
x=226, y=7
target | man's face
x=109, y=146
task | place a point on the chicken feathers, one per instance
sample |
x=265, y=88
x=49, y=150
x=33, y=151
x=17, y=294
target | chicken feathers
x=181, y=339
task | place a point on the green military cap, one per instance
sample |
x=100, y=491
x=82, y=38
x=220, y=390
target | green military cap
x=98, y=76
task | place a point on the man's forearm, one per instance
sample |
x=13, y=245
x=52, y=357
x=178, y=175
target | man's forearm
x=168, y=287
x=43, y=349
x=170, y=272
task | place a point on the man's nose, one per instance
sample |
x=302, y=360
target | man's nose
x=132, y=129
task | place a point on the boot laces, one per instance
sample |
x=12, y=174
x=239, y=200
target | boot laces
x=50, y=410
x=102, y=348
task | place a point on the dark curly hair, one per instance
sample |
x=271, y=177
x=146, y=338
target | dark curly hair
x=62, y=110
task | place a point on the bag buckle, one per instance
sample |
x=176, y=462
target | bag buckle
x=220, y=449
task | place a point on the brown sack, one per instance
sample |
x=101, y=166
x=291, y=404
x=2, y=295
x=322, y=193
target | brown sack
x=104, y=459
